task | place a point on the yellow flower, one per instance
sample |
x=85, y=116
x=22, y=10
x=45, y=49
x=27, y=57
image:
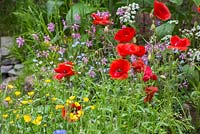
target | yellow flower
x=76, y=104
x=68, y=102
x=59, y=107
x=38, y=120
x=73, y=117
x=47, y=80
x=30, y=101
x=5, y=116
x=72, y=97
x=92, y=107
x=17, y=93
x=85, y=99
x=53, y=99
x=45, y=125
x=47, y=95
x=10, y=86
x=80, y=113
x=31, y=93
x=8, y=99
x=39, y=117
x=27, y=118
x=24, y=102
x=11, y=122
x=17, y=116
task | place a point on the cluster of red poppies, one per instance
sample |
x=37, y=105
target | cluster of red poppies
x=162, y=12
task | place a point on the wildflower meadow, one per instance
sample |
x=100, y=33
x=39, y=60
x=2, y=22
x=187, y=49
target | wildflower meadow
x=104, y=67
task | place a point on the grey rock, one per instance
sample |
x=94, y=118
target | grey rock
x=5, y=69
x=18, y=66
x=9, y=61
x=29, y=83
x=13, y=72
x=4, y=51
x=6, y=43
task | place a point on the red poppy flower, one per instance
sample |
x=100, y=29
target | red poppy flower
x=119, y=69
x=138, y=65
x=150, y=91
x=101, y=18
x=149, y=75
x=141, y=51
x=161, y=11
x=198, y=9
x=178, y=43
x=125, y=34
x=64, y=70
x=126, y=49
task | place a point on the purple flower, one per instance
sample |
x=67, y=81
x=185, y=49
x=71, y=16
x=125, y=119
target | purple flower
x=88, y=43
x=120, y=12
x=93, y=28
x=61, y=51
x=77, y=17
x=85, y=60
x=64, y=24
x=47, y=39
x=182, y=56
x=51, y=27
x=104, y=61
x=133, y=58
x=45, y=54
x=35, y=37
x=76, y=36
x=60, y=132
x=20, y=41
x=75, y=27
x=145, y=59
x=92, y=73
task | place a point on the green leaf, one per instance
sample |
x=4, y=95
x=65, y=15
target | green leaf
x=177, y=2
x=197, y=2
x=165, y=29
x=145, y=3
x=52, y=5
x=78, y=9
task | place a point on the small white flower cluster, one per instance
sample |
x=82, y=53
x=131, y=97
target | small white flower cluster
x=194, y=32
x=127, y=13
x=196, y=56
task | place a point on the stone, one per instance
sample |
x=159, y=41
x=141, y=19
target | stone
x=18, y=66
x=6, y=43
x=5, y=69
x=13, y=72
x=29, y=83
x=9, y=61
